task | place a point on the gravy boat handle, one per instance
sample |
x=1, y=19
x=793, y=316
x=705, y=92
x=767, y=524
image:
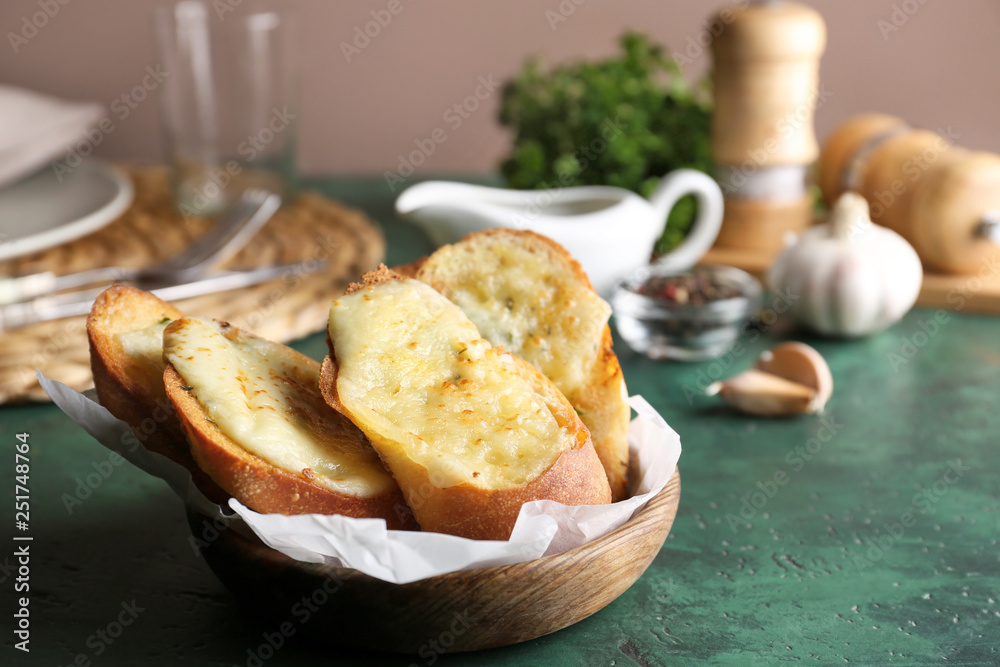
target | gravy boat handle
x=706, y=225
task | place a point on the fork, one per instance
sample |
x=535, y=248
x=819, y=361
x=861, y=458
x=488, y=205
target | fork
x=227, y=236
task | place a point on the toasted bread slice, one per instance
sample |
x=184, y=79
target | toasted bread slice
x=469, y=431
x=125, y=331
x=258, y=425
x=523, y=291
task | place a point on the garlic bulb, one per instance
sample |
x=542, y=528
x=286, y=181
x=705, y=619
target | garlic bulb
x=848, y=277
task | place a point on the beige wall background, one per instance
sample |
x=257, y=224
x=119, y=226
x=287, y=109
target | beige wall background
x=940, y=68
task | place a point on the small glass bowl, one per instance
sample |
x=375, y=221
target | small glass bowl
x=661, y=328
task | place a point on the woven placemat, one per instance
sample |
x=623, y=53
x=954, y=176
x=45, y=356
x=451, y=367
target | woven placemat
x=284, y=309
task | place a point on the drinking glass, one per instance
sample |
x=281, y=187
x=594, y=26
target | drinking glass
x=229, y=101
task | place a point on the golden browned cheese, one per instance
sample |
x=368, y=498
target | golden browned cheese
x=268, y=401
x=523, y=291
x=468, y=430
x=260, y=428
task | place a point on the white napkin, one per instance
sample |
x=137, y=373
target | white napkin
x=35, y=129
x=543, y=528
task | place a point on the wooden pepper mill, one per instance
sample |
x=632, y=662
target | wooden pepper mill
x=944, y=200
x=766, y=82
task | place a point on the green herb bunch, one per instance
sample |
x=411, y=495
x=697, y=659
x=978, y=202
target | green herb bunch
x=625, y=121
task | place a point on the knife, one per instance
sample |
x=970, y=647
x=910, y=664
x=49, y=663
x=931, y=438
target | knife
x=228, y=235
x=58, y=306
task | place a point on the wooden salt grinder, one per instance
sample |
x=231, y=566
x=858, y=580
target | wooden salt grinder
x=766, y=84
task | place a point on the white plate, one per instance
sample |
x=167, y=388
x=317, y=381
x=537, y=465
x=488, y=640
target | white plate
x=40, y=211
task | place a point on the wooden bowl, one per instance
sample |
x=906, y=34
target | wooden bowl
x=460, y=611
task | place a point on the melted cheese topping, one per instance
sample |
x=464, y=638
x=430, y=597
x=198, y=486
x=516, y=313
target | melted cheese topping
x=521, y=299
x=414, y=372
x=271, y=406
x=144, y=347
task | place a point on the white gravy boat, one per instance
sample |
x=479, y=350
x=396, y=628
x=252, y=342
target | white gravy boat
x=609, y=230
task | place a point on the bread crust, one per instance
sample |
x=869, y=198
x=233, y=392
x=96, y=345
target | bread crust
x=219, y=466
x=380, y=274
x=410, y=270
x=264, y=487
x=127, y=389
x=601, y=400
x=576, y=477
x=606, y=413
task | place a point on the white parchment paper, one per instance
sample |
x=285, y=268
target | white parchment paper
x=544, y=527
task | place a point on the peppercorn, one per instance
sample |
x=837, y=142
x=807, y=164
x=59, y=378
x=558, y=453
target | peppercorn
x=695, y=287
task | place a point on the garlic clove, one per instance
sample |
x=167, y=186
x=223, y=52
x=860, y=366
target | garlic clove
x=801, y=364
x=758, y=393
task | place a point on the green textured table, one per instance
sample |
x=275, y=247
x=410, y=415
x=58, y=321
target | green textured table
x=868, y=536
